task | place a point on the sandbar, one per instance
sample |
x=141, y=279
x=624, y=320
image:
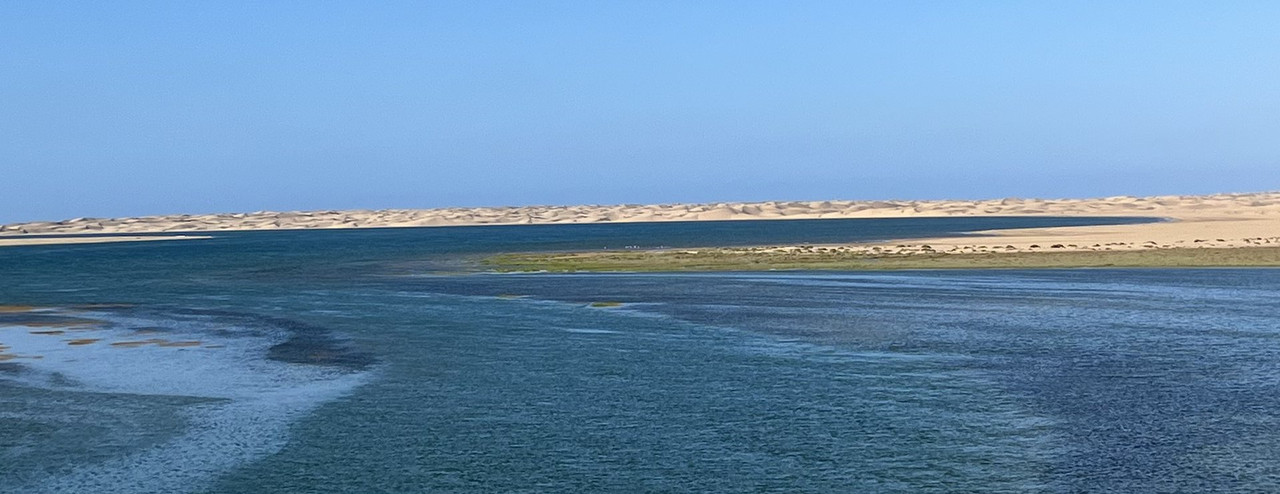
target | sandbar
x=1199, y=231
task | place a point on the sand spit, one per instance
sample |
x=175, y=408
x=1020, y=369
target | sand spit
x=1221, y=230
x=822, y=258
x=1187, y=243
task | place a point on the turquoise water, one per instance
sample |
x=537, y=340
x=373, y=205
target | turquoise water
x=368, y=361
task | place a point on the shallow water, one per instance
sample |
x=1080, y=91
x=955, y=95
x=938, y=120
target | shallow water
x=354, y=362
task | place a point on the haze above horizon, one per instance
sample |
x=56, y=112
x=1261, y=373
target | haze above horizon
x=136, y=108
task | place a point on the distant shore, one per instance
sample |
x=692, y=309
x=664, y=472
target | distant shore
x=1222, y=221
x=13, y=241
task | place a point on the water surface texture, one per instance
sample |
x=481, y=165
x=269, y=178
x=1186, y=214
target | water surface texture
x=368, y=361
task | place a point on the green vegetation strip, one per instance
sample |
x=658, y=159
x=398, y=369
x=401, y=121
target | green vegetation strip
x=746, y=260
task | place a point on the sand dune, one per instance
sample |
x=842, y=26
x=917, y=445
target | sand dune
x=1225, y=220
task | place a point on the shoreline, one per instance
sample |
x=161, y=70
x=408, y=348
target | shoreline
x=771, y=259
x=1221, y=220
x=1189, y=242
x=1245, y=205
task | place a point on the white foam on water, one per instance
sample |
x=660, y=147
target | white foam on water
x=588, y=331
x=257, y=399
x=219, y=438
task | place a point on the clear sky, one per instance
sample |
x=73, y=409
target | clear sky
x=126, y=108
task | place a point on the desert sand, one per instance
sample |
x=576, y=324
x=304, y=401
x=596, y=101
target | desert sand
x=1210, y=221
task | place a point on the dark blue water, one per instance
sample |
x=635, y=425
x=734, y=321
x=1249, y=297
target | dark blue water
x=355, y=361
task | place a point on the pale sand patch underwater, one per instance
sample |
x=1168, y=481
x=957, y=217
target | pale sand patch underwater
x=157, y=342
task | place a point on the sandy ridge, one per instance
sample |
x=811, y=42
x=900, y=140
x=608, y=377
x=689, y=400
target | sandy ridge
x=1209, y=207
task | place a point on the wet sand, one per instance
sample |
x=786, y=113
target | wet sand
x=857, y=259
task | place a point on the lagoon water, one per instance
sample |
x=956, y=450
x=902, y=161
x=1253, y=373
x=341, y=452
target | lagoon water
x=373, y=361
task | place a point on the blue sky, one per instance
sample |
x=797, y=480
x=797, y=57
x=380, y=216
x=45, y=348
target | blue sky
x=127, y=108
